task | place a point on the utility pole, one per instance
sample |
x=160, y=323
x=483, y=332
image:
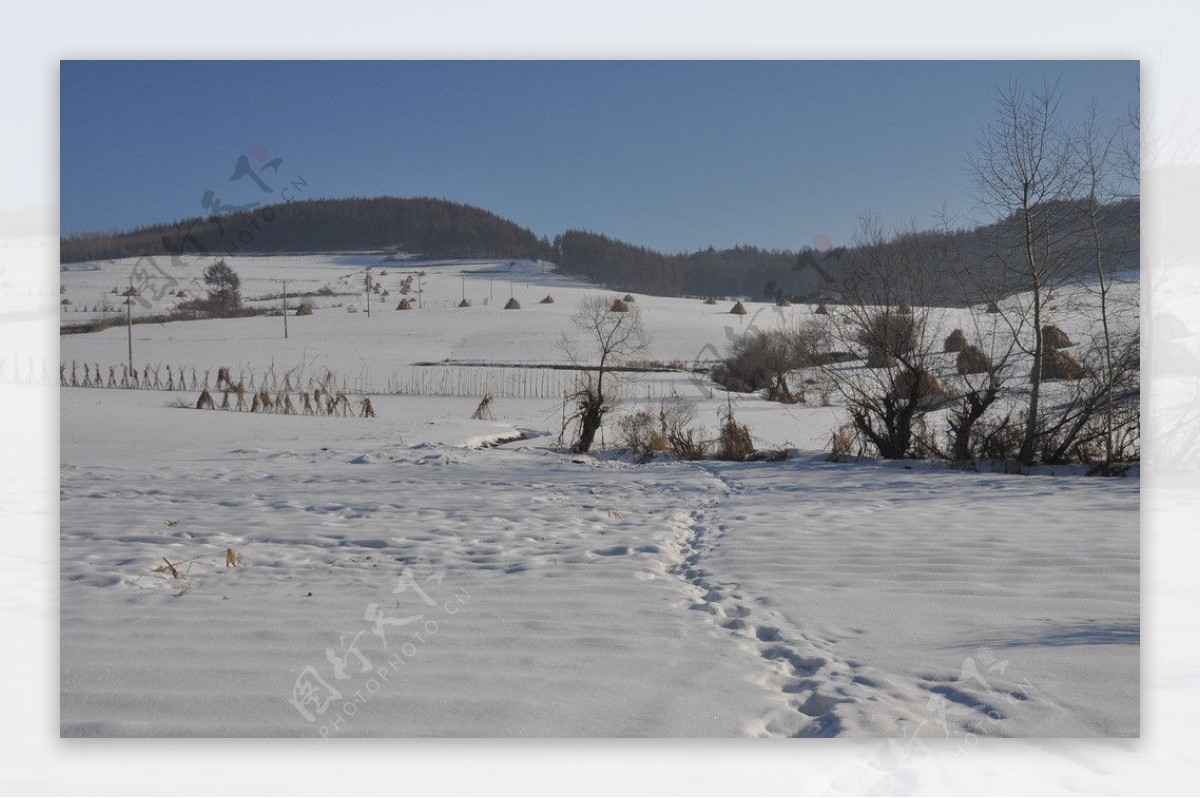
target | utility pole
x=129, y=322
x=368, y=293
x=285, y=310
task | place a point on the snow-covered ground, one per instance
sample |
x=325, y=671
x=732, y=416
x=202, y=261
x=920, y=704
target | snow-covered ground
x=396, y=577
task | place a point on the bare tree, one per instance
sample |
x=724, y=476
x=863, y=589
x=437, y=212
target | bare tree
x=1026, y=177
x=887, y=318
x=604, y=337
x=1102, y=156
x=764, y=359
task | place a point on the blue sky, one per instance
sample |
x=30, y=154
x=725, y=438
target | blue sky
x=671, y=155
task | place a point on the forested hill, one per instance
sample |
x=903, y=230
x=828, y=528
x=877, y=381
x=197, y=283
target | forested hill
x=430, y=227
x=938, y=259
x=434, y=228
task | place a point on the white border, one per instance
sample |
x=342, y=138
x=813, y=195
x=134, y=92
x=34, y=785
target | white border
x=33, y=37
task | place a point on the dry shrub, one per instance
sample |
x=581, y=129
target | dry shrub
x=512, y=304
x=738, y=309
x=843, y=443
x=1059, y=365
x=956, y=342
x=688, y=444
x=997, y=439
x=973, y=360
x=735, y=442
x=638, y=432
x=1055, y=338
x=483, y=410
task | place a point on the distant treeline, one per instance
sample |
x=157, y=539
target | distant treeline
x=431, y=227
x=740, y=271
x=435, y=228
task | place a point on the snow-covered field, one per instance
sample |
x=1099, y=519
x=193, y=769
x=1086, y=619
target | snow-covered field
x=396, y=577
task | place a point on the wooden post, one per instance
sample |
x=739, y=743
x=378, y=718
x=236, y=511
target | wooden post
x=285, y=335
x=129, y=322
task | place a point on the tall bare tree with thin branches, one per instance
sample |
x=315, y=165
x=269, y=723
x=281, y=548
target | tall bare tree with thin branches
x=1026, y=175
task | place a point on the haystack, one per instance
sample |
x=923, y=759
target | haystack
x=619, y=306
x=466, y=303
x=879, y=358
x=548, y=300
x=956, y=342
x=993, y=308
x=710, y=301
x=973, y=360
x=738, y=309
x=925, y=385
x=783, y=303
x=205, y=402
x=405, y=304
x=1055, y=338
x=512, y=304
x=1059, y=365
x=821, y=310
x=628, y=298
x=304, y=309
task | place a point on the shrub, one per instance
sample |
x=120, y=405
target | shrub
x=638, y=432
x=735, y=442
x=843, y=443
x=688, y=445
x=956, y=342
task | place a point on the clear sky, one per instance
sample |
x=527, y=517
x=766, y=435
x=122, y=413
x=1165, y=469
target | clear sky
x=671, y=155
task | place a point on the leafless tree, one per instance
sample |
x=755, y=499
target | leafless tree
x=601, y=339
x=1026, y=176
x=887, y=319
